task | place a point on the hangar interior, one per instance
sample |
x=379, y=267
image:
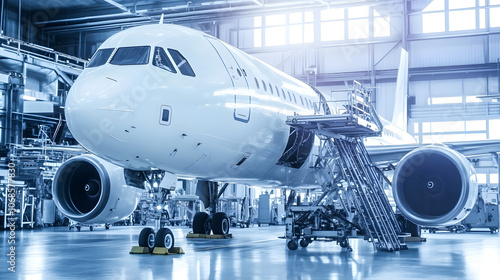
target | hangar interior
x=453, y=84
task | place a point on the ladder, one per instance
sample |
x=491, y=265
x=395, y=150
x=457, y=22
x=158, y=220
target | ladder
x=353, y=196
x=368, y=195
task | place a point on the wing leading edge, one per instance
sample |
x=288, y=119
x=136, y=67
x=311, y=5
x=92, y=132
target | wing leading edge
x=382, y=155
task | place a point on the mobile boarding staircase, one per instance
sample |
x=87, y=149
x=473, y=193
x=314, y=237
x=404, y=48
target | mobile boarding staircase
x=352, y=202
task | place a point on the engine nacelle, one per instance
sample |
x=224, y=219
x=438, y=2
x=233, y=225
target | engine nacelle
x=435, y=186
x=90, y=190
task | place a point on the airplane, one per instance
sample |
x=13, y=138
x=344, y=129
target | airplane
x=162, y=102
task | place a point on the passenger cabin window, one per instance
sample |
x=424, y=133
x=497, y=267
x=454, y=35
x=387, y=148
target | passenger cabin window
x=264, y=85
x=100, y=57
x=271, y=88
x=294, y=98
x=277, y=91
x=161, y=60
x=283, y=92
x=181, y=63
x=257, y=83
x=301, y=100
x=131, y=56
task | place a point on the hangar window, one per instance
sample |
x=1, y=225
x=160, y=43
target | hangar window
x=131, y=56
x=100, y=57
x=332, y=25
x=381, y=25
x=162, y=61
x=448, y=15
x=358, y=25
x=275, y=31
x=494, y=16
x=181, y=63
x=301, y=27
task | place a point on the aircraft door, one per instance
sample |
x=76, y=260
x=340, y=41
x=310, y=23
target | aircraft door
x=241, y=99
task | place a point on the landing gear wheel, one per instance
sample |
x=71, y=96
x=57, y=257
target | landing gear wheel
x=164, y=238
x=147, y=238
x=106, y=226
x=78, y=228
x=220, y=223
x=292, y=244
x=344, y=243
x=201, y=223
x=303, y=243
x=91, y=228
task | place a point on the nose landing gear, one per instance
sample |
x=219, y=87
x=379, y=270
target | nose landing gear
x=164, y=238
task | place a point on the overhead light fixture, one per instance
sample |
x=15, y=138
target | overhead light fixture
x=258, y=3
x=118, y=5
x=29, y=97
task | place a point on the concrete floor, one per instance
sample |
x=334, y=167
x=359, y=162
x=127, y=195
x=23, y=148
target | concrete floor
x=253, y=253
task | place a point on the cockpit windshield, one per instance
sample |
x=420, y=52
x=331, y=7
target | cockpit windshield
x=160, y=59
x=100, y=57
x=181, y=63
x=131, y=56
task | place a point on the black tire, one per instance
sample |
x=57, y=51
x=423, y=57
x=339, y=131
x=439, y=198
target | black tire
x=91, y=228
x=292, y=244
x=220, y=223
x=106, y=226
x=201, y=223
x=147, y=238
x=78, y=228
x=303, y=243
x=164, y=238
x=344, y=243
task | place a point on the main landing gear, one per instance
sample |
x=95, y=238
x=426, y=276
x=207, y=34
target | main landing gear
x=216, y=222
x=203, y=224
x=163, y=238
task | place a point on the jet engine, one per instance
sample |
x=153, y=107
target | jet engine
x=90, y=190
x=435, y=186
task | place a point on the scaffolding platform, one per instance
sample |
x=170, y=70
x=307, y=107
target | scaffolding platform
x=353, y=203
x=350, y=117
x=336, y=126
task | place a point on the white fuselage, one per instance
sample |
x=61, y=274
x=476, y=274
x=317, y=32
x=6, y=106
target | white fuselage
x=223, y=124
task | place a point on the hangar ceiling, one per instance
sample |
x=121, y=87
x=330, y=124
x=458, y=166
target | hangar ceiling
x=61, y=16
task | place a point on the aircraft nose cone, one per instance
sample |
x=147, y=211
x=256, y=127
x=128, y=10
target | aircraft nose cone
x=94, y=109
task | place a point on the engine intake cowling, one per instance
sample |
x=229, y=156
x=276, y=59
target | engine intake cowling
x=90, y=190
x=435, y=186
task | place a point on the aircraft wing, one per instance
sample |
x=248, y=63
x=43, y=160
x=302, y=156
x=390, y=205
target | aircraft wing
x=393, y=153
